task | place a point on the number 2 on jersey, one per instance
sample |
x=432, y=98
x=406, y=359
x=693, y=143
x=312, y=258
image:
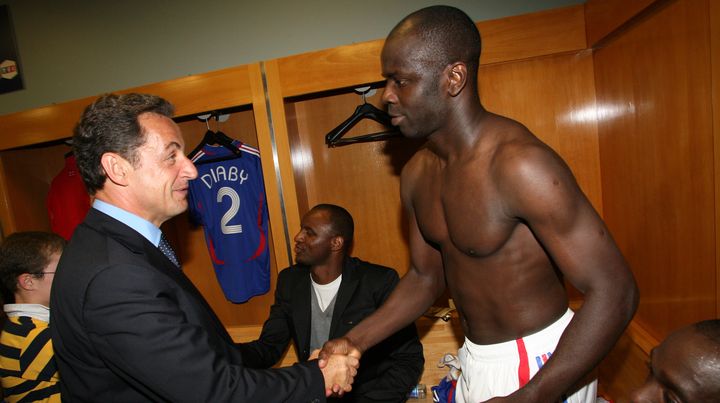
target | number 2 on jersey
x=231, y=212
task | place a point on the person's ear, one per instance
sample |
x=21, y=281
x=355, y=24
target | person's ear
x=116, y=168
x=26, y=281
x=457, y=78
x=337, y=243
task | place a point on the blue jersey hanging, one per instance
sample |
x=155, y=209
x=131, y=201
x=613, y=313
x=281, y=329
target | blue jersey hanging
x=228, y=200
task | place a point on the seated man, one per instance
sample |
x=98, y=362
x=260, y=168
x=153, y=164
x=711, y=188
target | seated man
x=685, y=367
x=27, y=269
x=323, y=296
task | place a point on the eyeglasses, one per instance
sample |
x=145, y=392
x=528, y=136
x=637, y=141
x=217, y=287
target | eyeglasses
x=47, y=272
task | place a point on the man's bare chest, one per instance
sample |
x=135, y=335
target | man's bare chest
x=464, y=211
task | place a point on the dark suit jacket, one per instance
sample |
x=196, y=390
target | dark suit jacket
x=127, y=326
x=387, y=371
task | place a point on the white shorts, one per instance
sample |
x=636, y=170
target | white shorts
x=500, y=369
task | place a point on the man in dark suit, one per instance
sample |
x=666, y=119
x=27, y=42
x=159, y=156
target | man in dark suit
x=324, y=296
x=128, y=326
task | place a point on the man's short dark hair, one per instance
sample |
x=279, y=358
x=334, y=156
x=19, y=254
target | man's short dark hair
x=110, y=124
x=25, y=252
x=710, y=329
x=448, y=35
x=341, y=221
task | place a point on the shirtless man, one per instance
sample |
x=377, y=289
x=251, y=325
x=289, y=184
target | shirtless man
x=495, y=215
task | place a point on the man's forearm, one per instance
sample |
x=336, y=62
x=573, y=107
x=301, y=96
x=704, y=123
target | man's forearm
x=589, y=337
x=410, y=299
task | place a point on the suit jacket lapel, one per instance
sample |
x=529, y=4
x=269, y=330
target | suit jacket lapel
x=138, y=244
x=301, y=310
x=347, y=289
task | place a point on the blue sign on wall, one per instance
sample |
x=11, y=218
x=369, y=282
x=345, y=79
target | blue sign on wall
x=10, y=73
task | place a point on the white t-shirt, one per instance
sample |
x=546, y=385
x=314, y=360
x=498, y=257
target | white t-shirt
x=326, y=292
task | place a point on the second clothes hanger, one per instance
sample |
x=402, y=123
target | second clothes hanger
x=363, y=111
x=212, y=138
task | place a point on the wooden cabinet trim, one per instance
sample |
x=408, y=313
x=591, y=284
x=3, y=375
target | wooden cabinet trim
x=604, y=17
x=284, y=161
x=192, y=94
x=714, y=15
x=513, y=38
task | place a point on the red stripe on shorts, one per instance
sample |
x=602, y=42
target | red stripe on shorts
x=524, y=368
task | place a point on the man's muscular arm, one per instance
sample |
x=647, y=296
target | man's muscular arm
x=539, y=188
x=416, y=291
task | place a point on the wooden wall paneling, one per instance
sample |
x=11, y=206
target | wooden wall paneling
x=300, y=158
x=41, y=125
x=602, y=17
x=7, y=219
x=283, y=160
x=714, y=16
x=330, y=69
x=623, y=370
x=27, y=176
x=202, y=92
x=531, y=35
x=653, y=86
x=273, y=184
x=215, y=90
x=519, y=37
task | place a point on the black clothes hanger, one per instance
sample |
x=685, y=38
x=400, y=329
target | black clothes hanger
x=363, y=111
x=68, y=143
x=216, y=137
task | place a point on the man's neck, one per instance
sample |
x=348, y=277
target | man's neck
x=326, y=273
x=144, y=227
x=121, y=201
x=460, y=132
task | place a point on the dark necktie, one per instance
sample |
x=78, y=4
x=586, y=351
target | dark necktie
x=167, y=250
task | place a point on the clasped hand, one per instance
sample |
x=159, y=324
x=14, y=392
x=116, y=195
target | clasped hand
x=339, y=361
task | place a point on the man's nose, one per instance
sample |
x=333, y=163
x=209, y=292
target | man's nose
x=190, y=169
x=388, y=96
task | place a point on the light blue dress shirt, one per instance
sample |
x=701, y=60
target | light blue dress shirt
x=141, y=225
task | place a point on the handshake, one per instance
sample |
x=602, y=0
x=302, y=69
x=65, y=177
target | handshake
x=339, y=360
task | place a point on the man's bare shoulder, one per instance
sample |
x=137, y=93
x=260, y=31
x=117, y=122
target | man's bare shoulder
x=516, y=151
x=416, y=171
x=526, y=172
x=422, y=160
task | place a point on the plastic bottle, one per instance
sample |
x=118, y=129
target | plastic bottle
x=418, y=392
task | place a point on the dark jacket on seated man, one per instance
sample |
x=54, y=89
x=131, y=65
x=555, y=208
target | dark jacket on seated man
x=387, y=371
